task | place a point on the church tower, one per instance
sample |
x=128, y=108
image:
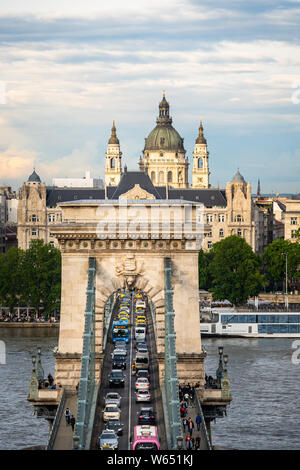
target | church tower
x=164, y=155
x=200, y=174
x=113, y=167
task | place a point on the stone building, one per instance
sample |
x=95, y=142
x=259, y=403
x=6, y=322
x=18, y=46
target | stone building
x=163, y=175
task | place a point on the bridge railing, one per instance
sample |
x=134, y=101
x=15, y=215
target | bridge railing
x=153, y=315
x=108, y=309
x=87, y=381
x=203, y=425
x=56, y=421
x=171, y=379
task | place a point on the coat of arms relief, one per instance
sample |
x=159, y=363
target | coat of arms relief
x=129, y=269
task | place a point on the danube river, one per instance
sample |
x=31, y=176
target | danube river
x=264, y=413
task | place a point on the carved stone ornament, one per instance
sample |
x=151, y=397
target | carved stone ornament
x=129, y=269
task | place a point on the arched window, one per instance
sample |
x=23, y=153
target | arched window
x=239, y=218
x=113, y=163
x=170, y=177
x=161, y=177
x=200, y=163
x=153, y=176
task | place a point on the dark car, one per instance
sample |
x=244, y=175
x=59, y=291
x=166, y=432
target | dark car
x=119, y=362
x=115, y=425
x=146, y=416
x=116, y=378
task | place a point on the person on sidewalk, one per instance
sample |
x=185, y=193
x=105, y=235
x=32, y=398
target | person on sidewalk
x=198, y=442
x=198, y=421
x=190, y=426
x=185, y=424
x=72, y=422
x=68, y=416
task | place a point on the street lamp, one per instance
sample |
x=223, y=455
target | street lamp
x=220, y=370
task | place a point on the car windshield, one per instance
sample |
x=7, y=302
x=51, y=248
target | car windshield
x=142, y=380
x=117, y=374
x=146, y=446
x=108, y=435
x=114, y=396
x=113, y=422
x=111, y=408
x=143, y=392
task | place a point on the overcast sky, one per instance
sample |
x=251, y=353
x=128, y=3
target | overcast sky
x=70, y=67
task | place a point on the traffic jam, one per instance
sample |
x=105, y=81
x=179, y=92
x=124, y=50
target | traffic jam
x=130, y=362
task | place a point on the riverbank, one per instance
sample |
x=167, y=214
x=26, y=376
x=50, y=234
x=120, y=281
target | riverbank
x=28, y=325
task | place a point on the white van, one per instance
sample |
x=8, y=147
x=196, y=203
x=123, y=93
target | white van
x=140, y=333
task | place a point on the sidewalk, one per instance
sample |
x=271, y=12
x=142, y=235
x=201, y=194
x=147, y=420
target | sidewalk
x=64, y=437
x=192, y=413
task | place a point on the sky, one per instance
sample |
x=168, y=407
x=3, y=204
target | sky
x=69, y=68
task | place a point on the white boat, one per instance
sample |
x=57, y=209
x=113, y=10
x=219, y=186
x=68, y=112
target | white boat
x=250, y=324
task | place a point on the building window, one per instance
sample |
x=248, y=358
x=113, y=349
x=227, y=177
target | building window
x=221, y=218
x=209, y=218
x=112, y=163
x=33, y=233
x=221, y=232
x=200, y=163
x=293, y=233
x=162, y=141
x=50, y=234
x=294, y=221
x=239, y=218
x=52, y=243
x=33, y=218
x=239, y=232
x=209, y=245
x=170, y=177
x=51, y=218
x=209, y=234
x=153, y=176
x=161, y=177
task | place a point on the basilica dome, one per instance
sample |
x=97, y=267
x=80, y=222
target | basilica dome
x=164, y=136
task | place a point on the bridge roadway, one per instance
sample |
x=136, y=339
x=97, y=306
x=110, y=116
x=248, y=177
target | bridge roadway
x=129, y=408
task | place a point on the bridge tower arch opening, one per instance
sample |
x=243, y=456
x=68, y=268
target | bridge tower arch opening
x=123, y=261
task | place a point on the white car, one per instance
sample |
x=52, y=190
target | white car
x=142, y=384
x=111, y=411
x=143, y=395
x=113, y=398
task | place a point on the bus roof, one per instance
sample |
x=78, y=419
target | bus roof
x=145, y=431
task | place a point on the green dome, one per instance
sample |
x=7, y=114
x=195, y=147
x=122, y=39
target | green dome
x=164, y=136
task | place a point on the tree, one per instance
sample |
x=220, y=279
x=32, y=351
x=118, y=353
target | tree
x=11, y=277
x=204, y=274
x=275, y=261
x=42, y=276
x=235, y=272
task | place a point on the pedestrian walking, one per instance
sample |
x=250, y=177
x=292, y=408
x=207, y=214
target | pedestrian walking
x=198, y=421
x=190, y=426
x=185, y=424
x=198, y=442
x=72, y=422
x=68, y=416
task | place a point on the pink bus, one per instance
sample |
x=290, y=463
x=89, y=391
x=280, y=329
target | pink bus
x=145, y=438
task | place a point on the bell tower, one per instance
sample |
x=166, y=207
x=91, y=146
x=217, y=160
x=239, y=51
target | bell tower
x=200, y=174
x=113, y=167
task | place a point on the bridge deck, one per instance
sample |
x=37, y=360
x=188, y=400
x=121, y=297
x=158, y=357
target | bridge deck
x=130, y=409
x=64, y=435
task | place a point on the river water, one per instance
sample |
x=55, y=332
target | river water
x=264, y=413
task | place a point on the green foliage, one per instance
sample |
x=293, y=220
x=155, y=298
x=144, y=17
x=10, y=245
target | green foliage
x=234, y=270
x=204, y=274
x=31, y=277
x=11, y=278
x=275, y=261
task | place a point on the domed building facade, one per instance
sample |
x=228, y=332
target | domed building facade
x=164, y=157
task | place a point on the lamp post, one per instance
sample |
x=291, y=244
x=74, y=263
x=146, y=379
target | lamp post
x=34, y=384
x=225, y=380
x=40, y=370
x=220, y=370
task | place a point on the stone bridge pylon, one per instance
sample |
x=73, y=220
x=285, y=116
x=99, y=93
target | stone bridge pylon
x=129, y=252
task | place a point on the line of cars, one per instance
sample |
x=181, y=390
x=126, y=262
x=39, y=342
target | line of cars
x=109, y=438
x=145, y=436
